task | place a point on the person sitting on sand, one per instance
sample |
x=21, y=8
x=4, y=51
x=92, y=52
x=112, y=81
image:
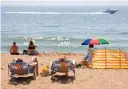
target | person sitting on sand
x=14, y=49
x=31, y=49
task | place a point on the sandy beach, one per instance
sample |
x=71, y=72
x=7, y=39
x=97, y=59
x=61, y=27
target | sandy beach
x=69, y=29
x=85, y=78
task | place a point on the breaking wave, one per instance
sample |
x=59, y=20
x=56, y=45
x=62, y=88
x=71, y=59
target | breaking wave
x=71, y=13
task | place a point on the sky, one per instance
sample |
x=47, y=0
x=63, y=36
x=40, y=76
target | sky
x=70, y=2
x=64, y=0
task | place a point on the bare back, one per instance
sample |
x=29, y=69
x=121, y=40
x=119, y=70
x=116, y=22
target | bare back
x=14, y=49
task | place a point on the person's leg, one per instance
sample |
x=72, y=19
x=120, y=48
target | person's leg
x=32, y=53
x=66, y=73
x=17, y=53
x=14, y=53
x=74, y=63
x=34, y=59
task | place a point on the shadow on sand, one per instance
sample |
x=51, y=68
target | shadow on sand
x=16, y=81
x=62, y=79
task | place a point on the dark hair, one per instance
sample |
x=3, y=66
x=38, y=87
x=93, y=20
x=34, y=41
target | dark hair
x=25, y=52
x=61, y=59
x=31, y=43
x=19, y=60
x=14, y=43
x=91, y=46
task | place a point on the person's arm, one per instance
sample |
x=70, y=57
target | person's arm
x=17, y=48
x=10, y=49
x=28, y=47
x=35, y=46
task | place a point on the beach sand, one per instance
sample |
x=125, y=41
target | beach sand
x=85, y=78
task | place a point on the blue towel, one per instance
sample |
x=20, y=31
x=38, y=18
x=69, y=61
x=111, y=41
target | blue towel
x=57, y=65
x=20, y=68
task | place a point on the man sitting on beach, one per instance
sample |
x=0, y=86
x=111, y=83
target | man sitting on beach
x=14, y=49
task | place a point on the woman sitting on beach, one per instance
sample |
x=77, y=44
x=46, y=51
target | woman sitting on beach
x=14, y=49
x=31, y=49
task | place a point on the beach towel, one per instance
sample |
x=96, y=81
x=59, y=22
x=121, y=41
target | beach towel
x=20, y=68
x=62, y=66
x=34, y=53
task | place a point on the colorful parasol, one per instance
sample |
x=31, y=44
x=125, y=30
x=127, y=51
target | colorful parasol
x=95, y=41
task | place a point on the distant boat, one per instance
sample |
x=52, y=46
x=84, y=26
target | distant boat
x=110, y=11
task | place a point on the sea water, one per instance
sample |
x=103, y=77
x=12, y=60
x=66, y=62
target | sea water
x=62, y=28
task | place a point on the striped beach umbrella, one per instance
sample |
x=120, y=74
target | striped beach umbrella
x=95, y=41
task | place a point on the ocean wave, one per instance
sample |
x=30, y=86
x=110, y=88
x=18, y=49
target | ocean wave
x=50, y=26
x=46, y=38
x=123, y=33
x=52, y=41
x=55, y=13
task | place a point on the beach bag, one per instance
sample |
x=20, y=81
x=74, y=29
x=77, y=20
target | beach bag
x=44, y=68
x=25, y=52
x=44, y=71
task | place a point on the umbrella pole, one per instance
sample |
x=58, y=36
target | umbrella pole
x=105, y=58
x=120, y=58
x=92, y=56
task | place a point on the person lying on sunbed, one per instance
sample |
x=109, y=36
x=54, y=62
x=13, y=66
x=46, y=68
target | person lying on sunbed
x=33, y=63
